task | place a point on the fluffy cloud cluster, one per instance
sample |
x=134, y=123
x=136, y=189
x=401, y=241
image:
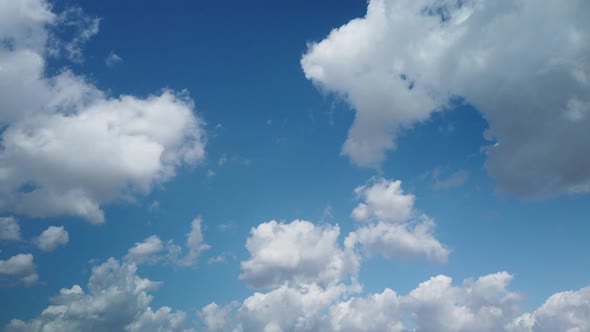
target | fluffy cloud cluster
x=523, y=64
x=391, y=226
x=51, y=238
x=485, y=304
x=66, y=147
x=152, y=250
x=295, y=253
x=117, y=299
x=18, y=269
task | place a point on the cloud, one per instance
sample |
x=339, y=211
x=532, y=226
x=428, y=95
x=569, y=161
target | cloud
x=18, y=269
x=294, y=253
x=146, y=251
x=9, y=229
x=566, y=311
x=485, y=304
x=217, y=318
x=456, y=179
x=117, y=299
x=402, y=241
x=80, y=26
x=384, y=201
x=391, y=226
x=51, y=122
x=194, y=243
x=153, y=251
x=112, y=60
x=51, y=238
x=299, y=308
x=406, y=59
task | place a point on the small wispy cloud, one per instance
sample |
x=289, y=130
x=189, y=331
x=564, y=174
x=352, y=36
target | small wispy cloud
x=112, y=60
x=455, y=179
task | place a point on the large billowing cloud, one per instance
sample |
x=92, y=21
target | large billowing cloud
x=66, y=147
x=117, y=299
x=523, y=64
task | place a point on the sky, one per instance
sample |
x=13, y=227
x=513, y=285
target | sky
x=334, y=165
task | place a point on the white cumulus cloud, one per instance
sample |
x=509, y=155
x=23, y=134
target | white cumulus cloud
x=67, y=148
x=391, y=226
x=51, y=238
x=297, y=252
x=408, y=58
x=117, y=299
x=18, y=269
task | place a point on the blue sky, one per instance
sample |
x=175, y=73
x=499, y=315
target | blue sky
x=229, y=115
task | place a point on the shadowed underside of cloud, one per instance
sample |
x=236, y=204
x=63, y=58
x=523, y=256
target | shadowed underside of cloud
x=523, y=64
x=67, y=148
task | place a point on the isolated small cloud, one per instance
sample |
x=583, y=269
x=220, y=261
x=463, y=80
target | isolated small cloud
x=112, y=60
x=51, y=238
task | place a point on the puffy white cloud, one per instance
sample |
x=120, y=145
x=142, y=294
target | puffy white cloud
x=217, y=318
x=18, y=269
x=9, y=229
x=51, y=238
x=294, y=253
x=566, y=311
x=401, y=240
x=112, y=60
x=384, y=200
x=117, y=300
x=406, y=59
x=394, y=227
x=375, y=312
x=146, y=251
x=485, y=304
x=67, y=147
x=162, y=320
x=300, y=308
